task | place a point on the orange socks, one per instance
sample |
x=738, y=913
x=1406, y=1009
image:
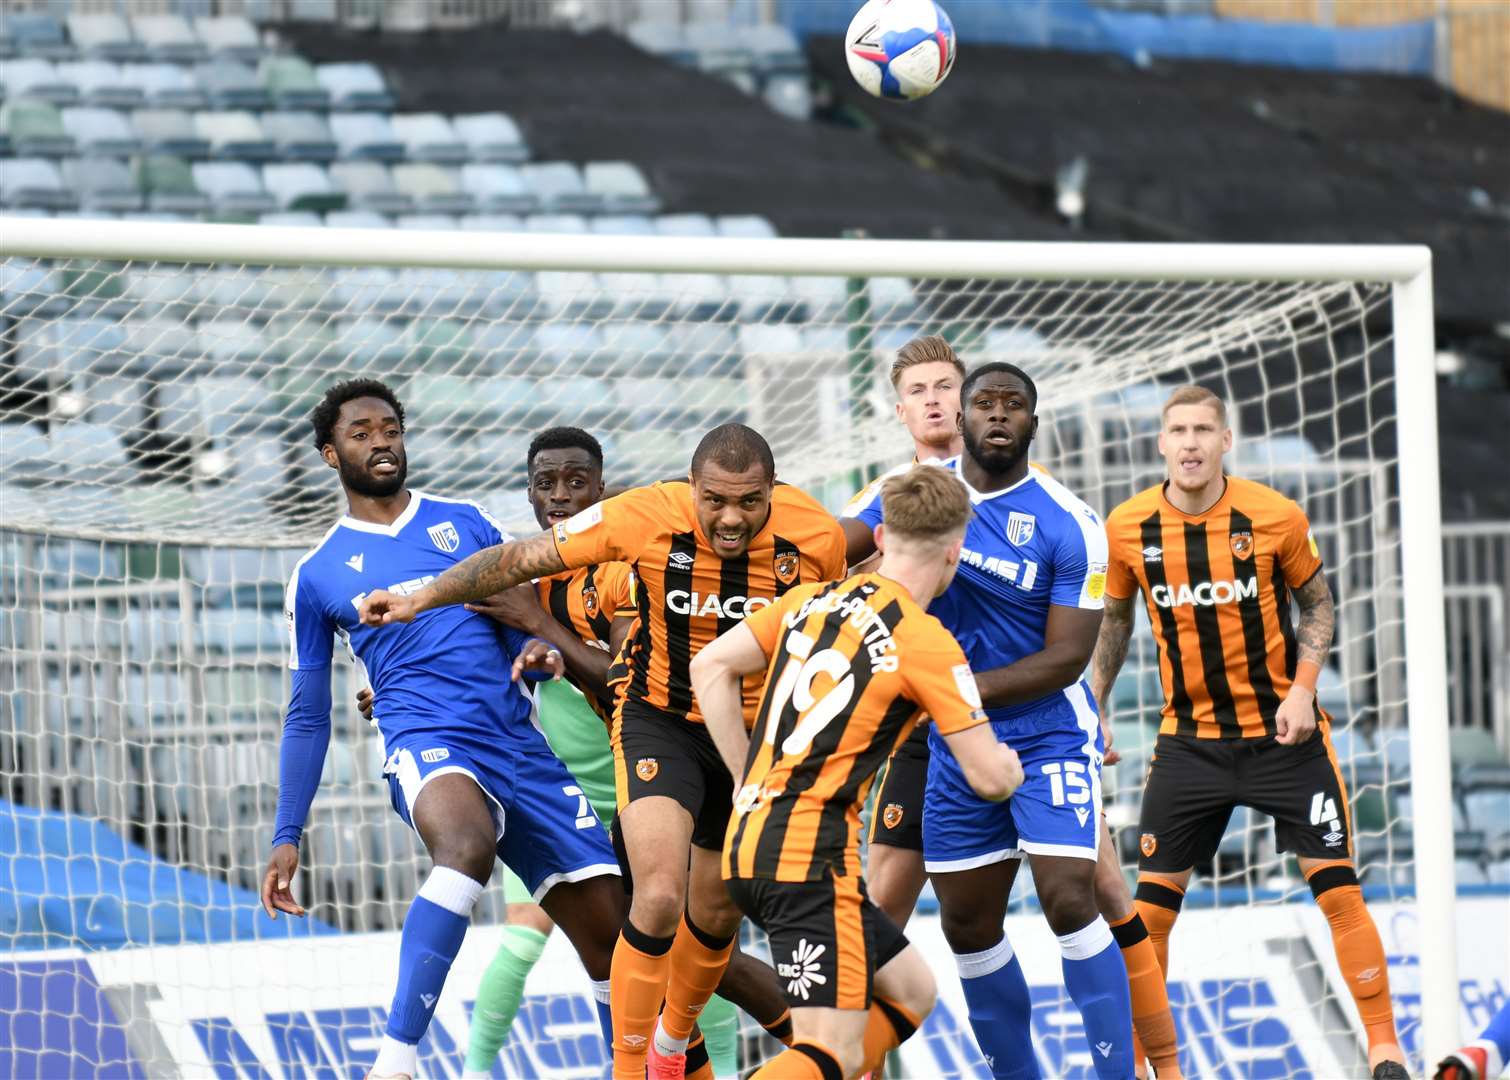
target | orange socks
x=1153, y=1025
x=1158, y=903
x=1360, y=953
x=637, y=983
x=780, y=1028
x=889, y=1027
x=698, y=961
x=804, y=1061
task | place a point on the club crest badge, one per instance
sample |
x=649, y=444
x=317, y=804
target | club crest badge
x=786, y=567
x=646, y=768
x=445, y=536
x=1148, y=843
x=1242, y=544
x=891, y=817
x=590, y=601
x=1020, y=527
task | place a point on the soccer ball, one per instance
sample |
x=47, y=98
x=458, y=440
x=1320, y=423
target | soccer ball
x=900, y=49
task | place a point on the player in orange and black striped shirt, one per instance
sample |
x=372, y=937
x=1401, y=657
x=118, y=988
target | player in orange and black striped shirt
x=850, y=667
x=1219, y=561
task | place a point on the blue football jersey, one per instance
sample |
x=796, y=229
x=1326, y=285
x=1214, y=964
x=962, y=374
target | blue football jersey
x=448, y=670
x=1028, y=547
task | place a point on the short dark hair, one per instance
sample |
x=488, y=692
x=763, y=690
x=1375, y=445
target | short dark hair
x=999, y=367
x=322, y=418
x=736, y=448
x=565, y=438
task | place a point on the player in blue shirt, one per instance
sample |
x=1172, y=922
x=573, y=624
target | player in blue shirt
x=466, y=767
x=1026, y=607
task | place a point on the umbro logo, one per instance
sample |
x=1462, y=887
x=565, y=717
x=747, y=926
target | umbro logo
x=1105, y=1048
x=680, y=559
x=1153, y=554
x=355, y=562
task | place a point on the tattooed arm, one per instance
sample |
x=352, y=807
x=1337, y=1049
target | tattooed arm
x=474, y=578
x=1296, y=718
x=1107, y=661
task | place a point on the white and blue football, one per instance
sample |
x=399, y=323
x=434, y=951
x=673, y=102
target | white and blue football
x=900, y=49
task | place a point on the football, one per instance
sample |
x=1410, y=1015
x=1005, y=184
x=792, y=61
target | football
x=900, y=49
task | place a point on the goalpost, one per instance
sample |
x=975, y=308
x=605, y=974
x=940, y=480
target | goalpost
x=158, y=482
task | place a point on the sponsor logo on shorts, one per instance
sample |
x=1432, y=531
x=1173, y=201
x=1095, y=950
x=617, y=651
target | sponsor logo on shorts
x=440, y=753
x=444, y=536
x=802, y=974
x=1148, y=843
x=786, y=567
x=892, y=816
x=646, y=768
x=590, y=601
x=1242, y=544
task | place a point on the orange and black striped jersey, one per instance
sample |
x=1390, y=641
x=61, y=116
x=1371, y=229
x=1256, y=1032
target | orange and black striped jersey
x=854, y=665
x=1218, y=588
x=687, y=595
x=585, y=601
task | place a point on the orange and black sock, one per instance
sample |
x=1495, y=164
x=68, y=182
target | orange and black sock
x=889, y=1027
x=699, y=1064
x=1360, y=953
x=637, y=984
x=698, y=960
x=780, y=1028
x=1153, y=1024
x=1158, y=903
x=802, y=1061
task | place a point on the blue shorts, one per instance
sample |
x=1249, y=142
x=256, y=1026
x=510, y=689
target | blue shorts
x=1056, y=811
x=546, y=828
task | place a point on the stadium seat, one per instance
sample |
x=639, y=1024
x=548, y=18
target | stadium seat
x=355, y=86
x=622, y=225
x=35, y=129
x=34, y=182
x=230, y=85
x=505, y=294
x=300, y=136
x=114, y=401
x=1488, y=810
x=105, y=36
x=229, y=36
x=560, y=187
x=102, y=184
x=434, y=188
x=291, y=82
x=235, y=136
x=430, y=137
x=366, y=136
x=818, y=298
x=706, y=348
x=168, y=38
x=302, y=185
x=1498, y=872
x=765, y=298
x=101, y=132
x=169, y=185
x=37, y=79
x=168, y=86
x=102, y=83
x=169, y=131
x=492, y=137
x=621, y=186
x=499, y=189
x=37, y=34
x=370, y=343
x=503, y=223
x=641, y=295
x=1474, y=746
x=745, y=226
x=292, y=219
x=232, y=186
x=789, y=95
x=892, y=299
x=637, y=346
x=569, y=293
x=430, y=222
x=369, y=186
x=365, y=289
x=357, y=219
x=555, y=223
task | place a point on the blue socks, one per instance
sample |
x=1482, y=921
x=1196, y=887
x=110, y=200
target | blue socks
x=1001, y=1010
x=600, y=994
x=1096, y=978
x=1495, y=1040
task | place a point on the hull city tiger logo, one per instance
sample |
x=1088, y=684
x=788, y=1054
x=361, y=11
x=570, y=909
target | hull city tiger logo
x=646, y=768
x=1148, y=844
x=590, y=601
x=891, y=817
x=786, y=567
x=1242, y=544
x=445, y=536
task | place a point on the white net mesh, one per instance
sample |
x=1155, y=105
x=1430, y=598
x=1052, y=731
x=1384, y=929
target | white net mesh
x=159, y=481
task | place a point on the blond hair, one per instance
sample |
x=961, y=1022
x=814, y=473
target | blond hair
x=931, y=349
x=1191, y=394
x=925, y=503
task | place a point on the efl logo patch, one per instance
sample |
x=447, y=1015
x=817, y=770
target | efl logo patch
x=646, y=768
x=561, y=533
x=964, y=682
x=445, y=536
x=1020, y=527
x=1148, y=843
x=440, y=753
x=1311, y=540
x=786, y=567
x=891, y=817
x=590, y=601
x=1095, y=584
x=1242, y=544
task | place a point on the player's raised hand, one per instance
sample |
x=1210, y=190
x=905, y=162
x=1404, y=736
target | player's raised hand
x=1112, y=756
x=277, y=892
x=1295, y=719
x=381, y=607
x=364, y=702
x=540, y=659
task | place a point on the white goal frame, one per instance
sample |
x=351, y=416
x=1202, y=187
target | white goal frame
x=1407, y=269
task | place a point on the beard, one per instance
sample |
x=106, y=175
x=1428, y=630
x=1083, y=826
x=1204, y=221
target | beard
x=1001, y=461
x=357, y=479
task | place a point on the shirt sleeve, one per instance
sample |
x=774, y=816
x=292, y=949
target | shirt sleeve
x=940, y=681
x=766, y=623
x=836, y=561
x=612, y=530
x=311, y=631
x=865, y=504
x=301, y=753
x=489, y=533
x=1299, y=557
x=1121, y=581
x=1080, y=562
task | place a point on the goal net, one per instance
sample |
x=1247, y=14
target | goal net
x=159, y=482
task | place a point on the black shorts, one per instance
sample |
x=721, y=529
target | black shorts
x=657, y=754
x=1194, y=784
x=896, y=819
x=827, y=938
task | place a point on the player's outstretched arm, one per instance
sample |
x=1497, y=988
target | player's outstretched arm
x=301, y=759
x=1296, y=717
x=859, y=541
x=476, y=577
x=718, y=673
x=520, y=608
x=1069, y=638
x=990, y=766
x=1107, y=661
